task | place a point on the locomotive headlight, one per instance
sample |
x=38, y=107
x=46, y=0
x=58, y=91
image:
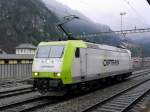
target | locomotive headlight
x=58, y=74
x=47, y=61
x=36, y=74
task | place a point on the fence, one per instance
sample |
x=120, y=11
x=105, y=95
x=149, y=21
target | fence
x=139, y=62
x=15, y=71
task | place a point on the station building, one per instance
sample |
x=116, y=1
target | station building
x=16, y=58
x=24, y=55
x=25, y=48
x=2, y=52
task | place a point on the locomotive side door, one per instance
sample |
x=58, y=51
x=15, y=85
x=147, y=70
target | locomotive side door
x=83, y=63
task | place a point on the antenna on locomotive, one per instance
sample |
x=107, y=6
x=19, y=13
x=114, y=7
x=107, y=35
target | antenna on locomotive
x=66, y=20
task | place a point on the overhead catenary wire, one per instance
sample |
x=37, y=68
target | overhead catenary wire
x=136, y=12
x=129, y=4
x=135, y=30
x=125, y=31
x=131, y=31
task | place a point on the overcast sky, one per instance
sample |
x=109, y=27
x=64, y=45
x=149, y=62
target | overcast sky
x=108, y=12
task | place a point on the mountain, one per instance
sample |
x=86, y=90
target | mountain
x=83, y=25
x=25, y=21
x=142, y=41
x=32, y=21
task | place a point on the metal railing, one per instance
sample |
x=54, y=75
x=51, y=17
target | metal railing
x=15, y=71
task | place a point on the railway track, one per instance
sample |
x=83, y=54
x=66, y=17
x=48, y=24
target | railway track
x=36, y=102
x=8, y=92
x=125, y=94
x=7, y=84
x=28, y=100
x=26, y=105
x=30, y=104
x=122, y=101
x=142, y=105
x=139, y=74
x=11, y=83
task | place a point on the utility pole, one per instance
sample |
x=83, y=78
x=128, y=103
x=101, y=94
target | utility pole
x=121, y=25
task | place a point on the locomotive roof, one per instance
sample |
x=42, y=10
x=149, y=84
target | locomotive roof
x=81, y=43
x=105, y=47
x=76, y=43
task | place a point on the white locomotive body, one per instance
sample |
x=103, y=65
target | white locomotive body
x=64, y=64
x=99, y=61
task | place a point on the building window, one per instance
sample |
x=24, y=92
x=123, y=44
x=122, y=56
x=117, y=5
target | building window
x=77, y=53
x=25, y=61
x=12, y=61
x=31, y=61
x=6, y=61
x=2, y=62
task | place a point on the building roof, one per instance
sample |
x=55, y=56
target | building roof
x=16, y=56
x=26, y=46
x=2, y=52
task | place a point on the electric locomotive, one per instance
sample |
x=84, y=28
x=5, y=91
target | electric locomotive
x=62, y=64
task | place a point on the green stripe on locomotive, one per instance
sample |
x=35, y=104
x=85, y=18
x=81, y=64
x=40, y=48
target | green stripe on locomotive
x=67, y=60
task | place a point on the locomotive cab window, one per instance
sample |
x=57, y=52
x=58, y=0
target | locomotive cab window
x=50, y=52
x=77, y=53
